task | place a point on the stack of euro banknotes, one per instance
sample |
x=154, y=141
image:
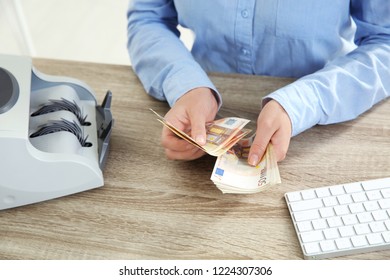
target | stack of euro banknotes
x=229, y=141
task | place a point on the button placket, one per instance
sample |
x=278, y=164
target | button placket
x=244, y=35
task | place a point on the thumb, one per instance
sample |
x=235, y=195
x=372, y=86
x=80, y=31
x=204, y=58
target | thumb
x=198, y=128
x=257, y=149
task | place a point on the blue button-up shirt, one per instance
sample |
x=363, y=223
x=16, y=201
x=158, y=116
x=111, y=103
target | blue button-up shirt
x=339, y=50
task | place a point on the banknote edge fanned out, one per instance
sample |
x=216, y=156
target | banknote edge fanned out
x=189, y=139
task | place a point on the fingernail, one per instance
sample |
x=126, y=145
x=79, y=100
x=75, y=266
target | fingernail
x=253, y=160
x=200, y=140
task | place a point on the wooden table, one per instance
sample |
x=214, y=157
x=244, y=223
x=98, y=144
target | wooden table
x=153, y=208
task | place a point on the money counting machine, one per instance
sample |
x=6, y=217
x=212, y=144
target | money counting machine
x=54, y=138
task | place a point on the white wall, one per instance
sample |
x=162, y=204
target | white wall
x=84, y=30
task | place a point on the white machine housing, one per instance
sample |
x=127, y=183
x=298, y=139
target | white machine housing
x=34, y=169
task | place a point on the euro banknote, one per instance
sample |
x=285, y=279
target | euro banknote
x=221, y=135
x=233, y=174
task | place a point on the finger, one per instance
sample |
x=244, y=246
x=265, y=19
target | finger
x=281, y=141
x=265, y=130
x=198, y=128
x=263, y=136
x=191, y=154
x=171, y=141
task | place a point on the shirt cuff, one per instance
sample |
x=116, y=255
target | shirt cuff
x=298, y=100
x=184, y=80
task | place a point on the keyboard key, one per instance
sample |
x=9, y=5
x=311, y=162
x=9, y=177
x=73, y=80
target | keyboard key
x=331, y=233
x=304, y=226
x=327, y=212
x=353, y=187
x=362, y=229
x=306, y=215
x=312, y=236
x=319, y=224
x=384, y=204
x=386, y=236
x=359, y=197
x=376, y=184
x=308, y=194
x=330, y=201
x=371, y=205
x=344, y=199
x=334, y=221
x=364, y=217
x=380, y=215
x=374, y=238
x=294, y=196
x=343, y=243
x=327, y=245
x=306, y=204
x=386, y=193
x=312, y=248
x=356, y=207
x=387, y=224
x=349, y=219
x=374, y=195
x=337, y=190
x=359, y=241
x=377, y=227
x=322, y=192
x=346, y=231
x=341, y=210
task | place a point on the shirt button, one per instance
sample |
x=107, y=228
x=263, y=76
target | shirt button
x=244, y=13
x=245, y=52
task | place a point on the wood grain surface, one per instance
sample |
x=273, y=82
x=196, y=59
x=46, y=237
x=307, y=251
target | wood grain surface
x=153, y=208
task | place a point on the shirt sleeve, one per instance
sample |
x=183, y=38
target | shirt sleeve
x=164, y=65
x=348, y=85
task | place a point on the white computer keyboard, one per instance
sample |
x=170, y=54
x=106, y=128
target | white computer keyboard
x=343, y=219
